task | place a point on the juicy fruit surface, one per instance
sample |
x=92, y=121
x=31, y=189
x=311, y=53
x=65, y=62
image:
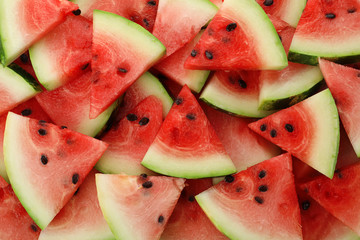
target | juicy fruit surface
x=237, y=204
x=50, y=152
x=123, y=200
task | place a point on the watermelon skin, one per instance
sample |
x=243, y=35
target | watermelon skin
x=232, y=207
x=81, y=218
x=123, y=199
x=49, y=151
x=62, y=56
x=129, y=140
x=25, y=63
x=16, y=224
x=344, y=83
x=188, y=221
x=23, y=22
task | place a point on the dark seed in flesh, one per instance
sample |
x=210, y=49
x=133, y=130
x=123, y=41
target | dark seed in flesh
x=63, y=127
x=44, y=159
x=268, y=2
x=85, y=66
x=131, y=117
x=262, y=174
x=24, y=58
x=42, y=122
x=229, y=178
x=190, y=116
x=42, y=132
x=26, y=112
x=146, y=22
x=242, y=83
x=147, y=184
x=231, y=27
x=351, y=10
x=289, y=127
x=144, y=175
x=263, y=127
x=34, y=227
x=273, y=133
x=161, y=219
x=193, y=53
x=178, y=101
x=75, y=178
x=122, y=70
x=263, y=188
x=191, y=199
x=259, y=200
x=76, y=12
x=144, y=121
x=152, y=3
x=305, y=205
x=330, y=15
x=209, y=55
x=76, y=192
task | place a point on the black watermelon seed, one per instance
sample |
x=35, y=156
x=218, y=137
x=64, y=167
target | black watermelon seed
x=229, y=178
x=242, y=83
x=209, y=55
x=263, y=127
x=147, y=184
x=268, y=2
x=24, y=58
x=305, y=205
x=263, y=188
x=63, y=127
x=76, y=12
x=76, y=192
x=146, y=22
x=144, y=175
x=75, y=178
x=152, y=3
x=191, y=198
x=190, y=116
x=351, y=10
x=161, y=219
x=262, y=174
x=330, y=15
x=42, y=132
x=144, y=121
x=44, y=159
x=122, y=70
x=178, y=101
x=131, y=117
x=259, y=200
x=289, y=127
x=273, y=133
x=85, y=66
x=231, y=27
x=42, y=122
x=338, y=173
x=34, y=227
x=26, y=112
x=193, y=53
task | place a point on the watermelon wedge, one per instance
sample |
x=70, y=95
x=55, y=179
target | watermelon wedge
x=122, y=51
x=327, y=29
x=186, y=144
x=124, y=198
x=23, y=22
x=25, y=63
x=60, y=159
x=130, y=139
x=258, y=203
x=308, y=130
x=242, y=32
x=81, y=218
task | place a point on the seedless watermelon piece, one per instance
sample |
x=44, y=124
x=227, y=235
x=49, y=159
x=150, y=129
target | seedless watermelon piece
x=81, y=218
x=130, y=139
x=258, y=203
x=328, y=29
x=72, y=109
x=57, y=160
x=122, y=51
x=178, y=21
x=23, y=22
x=186, y=144
x=240, y=36
x=137, y=207
x=64, y=54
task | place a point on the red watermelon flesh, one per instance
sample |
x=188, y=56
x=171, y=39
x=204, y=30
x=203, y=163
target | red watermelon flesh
x=340, y=195
x=130, y=139
x=217, y=2
x=188, y=221
x=258, y=203
x=81, y=217
x=15, y=222
x=284, y=30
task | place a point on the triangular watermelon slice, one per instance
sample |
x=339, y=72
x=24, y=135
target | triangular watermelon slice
x=130, y=139
x=81, y=218
x=258, y=203
x=344, y=84
x=122, y=51
x=187, y=145
x=23, y=22
x=309, y=130
x=137, y=207
x=240, y=36
x=46, y=164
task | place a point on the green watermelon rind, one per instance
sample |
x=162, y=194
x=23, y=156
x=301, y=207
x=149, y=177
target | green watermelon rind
x=26, y=76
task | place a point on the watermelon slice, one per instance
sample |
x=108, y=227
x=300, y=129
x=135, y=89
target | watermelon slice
x=81, y=218
x=178, y=21
x=130, y=139
x=143, y=12
x=122, y=52
x=23, y=22
x=340, y=195
x=242, y=32
x=25, y=63
x=308, y=130
x=344, y=83
x=328, y=29
x=73, y=106
x=140, y=202
x=56, y=159
x=61, y=55
x=15, y=223
x=188, y=221
x=186, y=144
x=258, y=203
